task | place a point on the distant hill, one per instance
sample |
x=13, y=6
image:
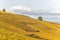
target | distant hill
x=20, y=27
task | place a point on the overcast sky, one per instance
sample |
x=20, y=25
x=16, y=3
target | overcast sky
x=52, y=6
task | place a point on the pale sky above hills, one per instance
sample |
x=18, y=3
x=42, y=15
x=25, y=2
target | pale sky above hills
x=52, y=6
x=49, y=5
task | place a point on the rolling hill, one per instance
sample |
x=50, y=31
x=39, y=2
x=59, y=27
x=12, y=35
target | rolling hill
x=20, y=27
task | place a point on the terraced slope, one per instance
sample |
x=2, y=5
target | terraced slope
x=20, y=27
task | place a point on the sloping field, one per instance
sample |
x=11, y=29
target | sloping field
x=20, y=27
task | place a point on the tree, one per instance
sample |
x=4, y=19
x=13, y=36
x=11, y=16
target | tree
x=40, y=18
x=4, y=10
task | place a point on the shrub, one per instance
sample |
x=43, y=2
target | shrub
x=40, y=18
x=4, y=10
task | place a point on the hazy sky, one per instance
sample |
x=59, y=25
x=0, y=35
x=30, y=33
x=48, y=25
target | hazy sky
x=52, y=6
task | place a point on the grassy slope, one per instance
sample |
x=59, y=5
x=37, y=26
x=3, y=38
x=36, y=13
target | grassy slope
x=19, y=27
